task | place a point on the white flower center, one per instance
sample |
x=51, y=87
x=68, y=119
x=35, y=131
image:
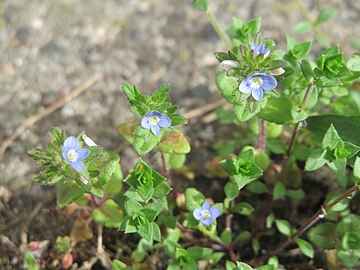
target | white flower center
x=72, y=155
x=154, y=120
x=205, y=214
x=256, y=82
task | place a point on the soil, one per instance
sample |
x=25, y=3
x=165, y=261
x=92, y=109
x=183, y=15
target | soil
x=48, y=48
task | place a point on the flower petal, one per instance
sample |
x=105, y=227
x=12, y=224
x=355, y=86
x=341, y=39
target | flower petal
x=245, y=87
x=207, y=221
x=269, y=82
x=71, y=143
x=155, y=129
x=65, y=152
x=257, y=93
x=215, y=212
x=145, y=122
x=206, y=206
x=77, y=165
x=197, y=213
x=164, y=121
x=83, y=153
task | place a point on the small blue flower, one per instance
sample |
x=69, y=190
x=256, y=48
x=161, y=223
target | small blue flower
x=73, y=154
x=206, y=214
x=256, y=84
x=155, y=120
x=260, y=50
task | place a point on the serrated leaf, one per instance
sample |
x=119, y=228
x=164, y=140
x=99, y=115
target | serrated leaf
x=226, y=85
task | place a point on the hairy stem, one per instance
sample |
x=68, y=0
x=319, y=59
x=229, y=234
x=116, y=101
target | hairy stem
x=222, y=35
x=261, y=142
x=311, y=221
x=297, y=125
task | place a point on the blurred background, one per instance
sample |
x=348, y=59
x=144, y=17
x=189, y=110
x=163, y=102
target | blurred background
x=48, y=48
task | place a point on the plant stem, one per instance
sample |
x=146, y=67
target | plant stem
x=297, y=125
x=222, y=35
x=311, y=221
x=163, y=165
x=261, y=142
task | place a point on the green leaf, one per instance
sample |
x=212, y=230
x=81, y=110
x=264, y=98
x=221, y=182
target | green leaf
x=127, y=130
x=132, y=206
x=279, y=191
x=161, y=191
x=226, y=85
x=174, y=141
x=305, y=247
x=156, y=232
x=307, y=70
x=63, y=244
x=145, y=140
x=199, y=253
x=316, y=160
x=349, y=258
x=282, y=112
x=226, y=237
x=357, y=167
x=325, y=15
x=354, y=62
x=283, y=226
x=243, y=111
x=276, y=146
x=323, y=235
x=201, y=5
x=108, y=214
x=231, y=190
x=296, y=194
x=347, y=127
x=325, y=54
x=302, y=27
x=118, y=265
x=30, y=261
x=57, y=136
x=301, y=50
x=244, y=208
x=193, y=199
x=258, y=187
x=67, y=191
x=175, y=161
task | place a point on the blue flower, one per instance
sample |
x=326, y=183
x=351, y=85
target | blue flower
x=260, y=50
x=256, y=84
x=155, y=120
x=73, y=154
x=206, y=214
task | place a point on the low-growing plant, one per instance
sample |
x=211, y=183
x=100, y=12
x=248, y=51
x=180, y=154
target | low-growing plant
x=295, y=113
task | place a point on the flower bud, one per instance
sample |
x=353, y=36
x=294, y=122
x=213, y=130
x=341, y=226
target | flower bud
x=228, y=64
